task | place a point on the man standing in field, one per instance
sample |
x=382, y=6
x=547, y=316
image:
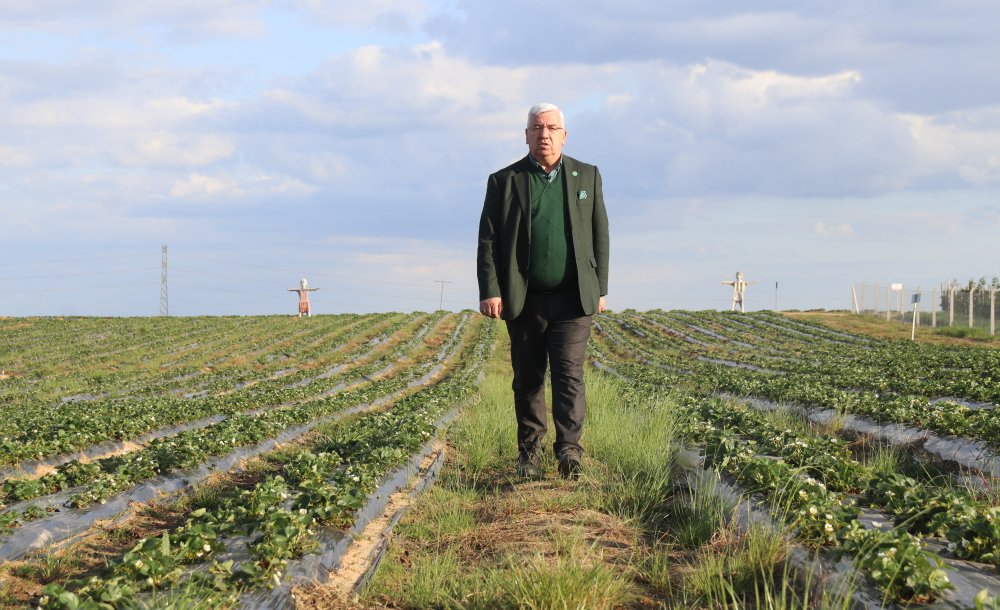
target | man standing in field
x=543, y=267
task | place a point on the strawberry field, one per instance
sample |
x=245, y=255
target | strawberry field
x=103, y=418
x=201, y=462
x=923, y=528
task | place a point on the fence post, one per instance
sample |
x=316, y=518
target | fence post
x=972, y=291
x=951, y=305
x=993, y=312
x=888, y=302
x=934, y=308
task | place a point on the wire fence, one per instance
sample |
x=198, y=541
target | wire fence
x=948, y=304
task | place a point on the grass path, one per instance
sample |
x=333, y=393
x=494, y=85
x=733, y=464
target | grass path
x=630, y=533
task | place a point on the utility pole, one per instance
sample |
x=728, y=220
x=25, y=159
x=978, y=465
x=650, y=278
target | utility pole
x=442, y=282
x=164, y=309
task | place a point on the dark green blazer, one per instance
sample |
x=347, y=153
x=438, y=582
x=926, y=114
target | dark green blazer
x=505, y=232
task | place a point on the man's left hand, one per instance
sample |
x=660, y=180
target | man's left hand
x=491, y=307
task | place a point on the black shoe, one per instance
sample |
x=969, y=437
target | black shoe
x=569, y=465
x=528, y=466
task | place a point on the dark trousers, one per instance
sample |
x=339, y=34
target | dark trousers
x=551, y=330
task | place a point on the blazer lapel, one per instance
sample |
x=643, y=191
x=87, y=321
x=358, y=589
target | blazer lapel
x=572, y=177
x=521, y=189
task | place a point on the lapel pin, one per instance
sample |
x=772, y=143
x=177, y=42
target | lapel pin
x=581, y=195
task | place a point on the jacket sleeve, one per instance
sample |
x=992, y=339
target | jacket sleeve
x=488, y=255
x=601, y=240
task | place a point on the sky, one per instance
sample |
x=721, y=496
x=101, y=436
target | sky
x=807, y=145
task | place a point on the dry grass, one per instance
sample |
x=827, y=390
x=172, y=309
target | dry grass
x=880, y=328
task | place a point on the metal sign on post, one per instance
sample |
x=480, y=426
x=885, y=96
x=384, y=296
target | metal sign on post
x=916, y=314
x=888, y=300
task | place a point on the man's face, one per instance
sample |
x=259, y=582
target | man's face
x=545, y=137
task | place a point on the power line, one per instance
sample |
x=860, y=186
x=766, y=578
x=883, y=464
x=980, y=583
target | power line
x=339, y=291
x=87, y=288
x=442, y=282
x=73, y=260
x=315, y=273
x=217, y=289
x=262, y=294
x=63, y=275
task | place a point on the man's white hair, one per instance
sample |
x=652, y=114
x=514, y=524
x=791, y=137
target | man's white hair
x=542, y=108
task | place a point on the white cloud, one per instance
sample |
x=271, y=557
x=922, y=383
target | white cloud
x=164, y=149
x=108, y=111
x=14, y=157
x=200, y=185
x=393, y=15
x=226, y=189
x=717, y=127
x=842, y=230
x=721, y=130
x=958, y=146
x=175, y=20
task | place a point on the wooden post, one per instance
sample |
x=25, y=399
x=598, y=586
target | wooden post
x=993, y=312
x=916, y=312
x=888, y=303
x=934, y=307
x=972, y=290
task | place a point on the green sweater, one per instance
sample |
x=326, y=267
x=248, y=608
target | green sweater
x=551, y=265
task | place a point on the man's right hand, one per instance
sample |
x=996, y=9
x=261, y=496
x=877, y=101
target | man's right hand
x=491, y=308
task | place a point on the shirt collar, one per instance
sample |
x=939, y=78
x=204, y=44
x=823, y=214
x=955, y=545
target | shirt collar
x=537, y=167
